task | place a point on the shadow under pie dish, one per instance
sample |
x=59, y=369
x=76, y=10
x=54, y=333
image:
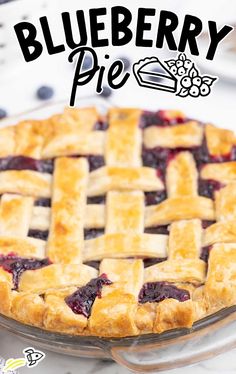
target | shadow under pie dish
x=118, y=225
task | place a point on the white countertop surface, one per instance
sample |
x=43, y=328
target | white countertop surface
x=17, y=94
x=10, y=346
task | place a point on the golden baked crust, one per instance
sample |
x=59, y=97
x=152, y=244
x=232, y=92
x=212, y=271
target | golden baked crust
x=110, y=231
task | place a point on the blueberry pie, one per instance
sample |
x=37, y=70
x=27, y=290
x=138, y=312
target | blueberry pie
x=118, y=225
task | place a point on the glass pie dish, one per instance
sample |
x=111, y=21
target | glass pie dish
x=147, y=353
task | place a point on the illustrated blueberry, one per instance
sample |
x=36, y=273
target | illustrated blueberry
x=186, y=82
x=106, y=92
x=87, y=63
x=197, y=81
x=194, y=91
x=204, y=89
x=179, y=63
x=187, y=64
x=45, y=93
x=126, y=62
x=181, y=71
x=173, y=69
x=3, y=113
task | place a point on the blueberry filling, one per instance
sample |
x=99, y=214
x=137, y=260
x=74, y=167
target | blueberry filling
x=96, y=199
x=81, y=301
x=93, y=264
x=153, y=261
x=38, y=234
x=207, y=223
x=17, y=265
x=26, y=163
x=95, y=162
x=150, y=119
x=156, y=158
x=205, y=253
x=92, y=233
x=19, y=163
x=100, y=126
x=47, y=166
x=146, y=262
x=159, y=291
x=207, y=187
x=42, y=166
x=159, y=118
x=202, y=155
x=155, y=197
x=43, y=201
x=157, y=230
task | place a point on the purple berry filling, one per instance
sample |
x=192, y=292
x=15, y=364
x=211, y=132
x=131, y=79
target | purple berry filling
x=93, y=264
x=101, y=126
x=38, y=234
x=159, y=157
x=92, y=233
x=17, y=265
x=158, y=118
x=43, y=201
x=153, y=261
x=96, y=199
x=157, y=230
x=205, y=253
x=156, y=158
x=207, y=223
x=155, y=197
x=146, y=261
x=150, y=119
x=42, y=166
x=81, y=301
x=207, y=187
x=95, y=162
x=202, y=155
x=159, y=291
x=26, y=163
x=47, y=166
x=19, y=163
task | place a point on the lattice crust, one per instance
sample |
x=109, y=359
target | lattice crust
x=110, y=178
x=65, y=242
x=223, y=231
x=219, y=141
x=117, y=202
x=56, y=276
x=224, y=172
x=185, y=135
x=25, y=182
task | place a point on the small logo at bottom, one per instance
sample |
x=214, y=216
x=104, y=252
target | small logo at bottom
x=31, y=359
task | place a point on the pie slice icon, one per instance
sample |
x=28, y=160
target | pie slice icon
x=151, y=73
